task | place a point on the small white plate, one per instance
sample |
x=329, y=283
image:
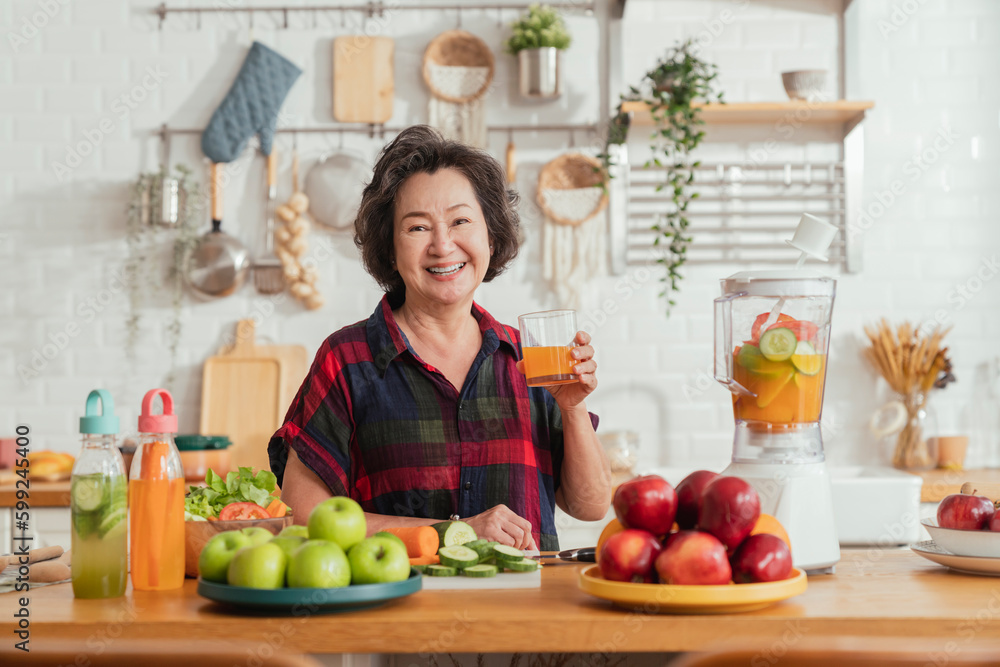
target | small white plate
x=968, y=564
x=975, y=543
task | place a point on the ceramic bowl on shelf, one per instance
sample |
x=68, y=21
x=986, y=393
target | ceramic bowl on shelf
x=975, y=543
x=805, y=84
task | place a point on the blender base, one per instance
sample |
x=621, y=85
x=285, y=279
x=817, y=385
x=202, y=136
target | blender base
x=798, y=495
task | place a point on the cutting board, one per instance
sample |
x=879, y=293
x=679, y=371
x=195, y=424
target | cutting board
x=505, y=580
x=363, y=87
x=246, y=390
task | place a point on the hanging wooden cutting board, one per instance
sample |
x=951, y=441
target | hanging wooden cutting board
x=363, y=87
x=246, y=390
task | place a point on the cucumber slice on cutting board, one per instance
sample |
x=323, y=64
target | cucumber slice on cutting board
x=458, y=556
x=480, y=571
x=523, y=565
x=454, y=533
x=505, y=554
x=440, y=571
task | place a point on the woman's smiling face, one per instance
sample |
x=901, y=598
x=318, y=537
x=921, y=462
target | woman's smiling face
x=441, y=242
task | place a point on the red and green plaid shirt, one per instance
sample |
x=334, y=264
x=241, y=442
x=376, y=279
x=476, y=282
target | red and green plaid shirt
x=378, y=424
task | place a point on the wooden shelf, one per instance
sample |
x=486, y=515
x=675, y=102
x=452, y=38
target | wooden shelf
x=840, y=112
x=941, y=483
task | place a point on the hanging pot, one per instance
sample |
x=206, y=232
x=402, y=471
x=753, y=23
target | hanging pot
x=219, y=264
x=539, y=72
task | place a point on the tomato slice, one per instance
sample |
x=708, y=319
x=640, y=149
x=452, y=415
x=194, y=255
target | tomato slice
x=803, y=330
x=241, y=511
x=761, y=319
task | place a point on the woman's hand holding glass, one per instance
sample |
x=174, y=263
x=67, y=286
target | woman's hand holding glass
x=573, y=394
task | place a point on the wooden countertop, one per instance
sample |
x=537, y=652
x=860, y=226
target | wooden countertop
x=875, y=594
x=43, y=494
x=941, y=483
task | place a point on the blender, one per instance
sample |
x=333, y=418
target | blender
x=772, y=335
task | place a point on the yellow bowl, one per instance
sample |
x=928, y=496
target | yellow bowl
x=668, y=599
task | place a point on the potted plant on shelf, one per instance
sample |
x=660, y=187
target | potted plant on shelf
x=538, y=39
x=671, y=91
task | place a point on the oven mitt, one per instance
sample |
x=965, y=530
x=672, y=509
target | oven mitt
x=251, y=105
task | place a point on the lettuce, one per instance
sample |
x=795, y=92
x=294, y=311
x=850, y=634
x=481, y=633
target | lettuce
x=241, y=486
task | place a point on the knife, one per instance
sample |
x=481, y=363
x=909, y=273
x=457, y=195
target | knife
x=582, y=555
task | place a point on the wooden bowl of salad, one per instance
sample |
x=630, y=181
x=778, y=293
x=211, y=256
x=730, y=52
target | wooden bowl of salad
x=242, y=499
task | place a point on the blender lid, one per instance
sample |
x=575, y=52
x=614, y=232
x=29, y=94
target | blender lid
x=780, y=283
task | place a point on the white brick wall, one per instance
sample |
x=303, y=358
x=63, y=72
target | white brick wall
x=61, y=239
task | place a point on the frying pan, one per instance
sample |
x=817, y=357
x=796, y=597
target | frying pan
x=219, y=264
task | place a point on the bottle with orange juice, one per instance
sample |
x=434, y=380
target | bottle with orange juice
x=156, y=499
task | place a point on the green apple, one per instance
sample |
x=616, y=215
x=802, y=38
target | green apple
x=294, y=531
x=338, y=519
x=389, y=536
x=319, y=564
x=213, y=562
x=288, y=543
x=378, y=560
x=258, y=535
x=261, y=566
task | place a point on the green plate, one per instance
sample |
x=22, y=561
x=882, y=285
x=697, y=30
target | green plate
x=303, y=601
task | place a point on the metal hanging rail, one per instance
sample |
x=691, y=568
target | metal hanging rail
x=371, y=9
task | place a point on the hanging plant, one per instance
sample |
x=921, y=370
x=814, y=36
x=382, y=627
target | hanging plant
x=671, y=90
x=542, y=26
x=144, y=275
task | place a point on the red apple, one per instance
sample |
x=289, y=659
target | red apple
x=646, y=503
x=629, y=556
x=995, y=522
x=693, y=558
x=965, y=511
x=761, y=557
x=729, y=510
x=689, y=497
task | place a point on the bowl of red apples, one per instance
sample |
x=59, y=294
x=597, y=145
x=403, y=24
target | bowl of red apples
x=967, y=524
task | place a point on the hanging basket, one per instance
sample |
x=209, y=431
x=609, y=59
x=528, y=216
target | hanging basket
x=569, y=191
x=458, y=66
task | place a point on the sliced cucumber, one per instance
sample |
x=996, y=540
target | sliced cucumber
x=114, y=524
x=87, y=492
x=475, y=544
x=440, y=571
x=420, y=568
x=523, y=565
x=481, y=571
x=778, y=344
x=454, y=533
x=458, y=556
x=505, y=554
x=485, y=549
x=84, y=523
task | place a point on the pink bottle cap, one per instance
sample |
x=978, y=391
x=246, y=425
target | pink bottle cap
x=165, y=423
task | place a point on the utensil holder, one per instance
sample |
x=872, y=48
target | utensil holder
x=539, y=72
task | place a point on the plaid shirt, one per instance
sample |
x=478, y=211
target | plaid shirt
x=378, y=424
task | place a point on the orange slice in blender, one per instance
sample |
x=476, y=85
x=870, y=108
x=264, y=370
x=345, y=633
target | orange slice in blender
x=805, y=359
x=769, y=390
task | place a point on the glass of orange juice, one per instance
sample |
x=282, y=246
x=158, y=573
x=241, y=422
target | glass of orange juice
x=547, y=341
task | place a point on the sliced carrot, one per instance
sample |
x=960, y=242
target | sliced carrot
x=425, y=560
x=419, y=540
x=212, y=518
x=276, y=508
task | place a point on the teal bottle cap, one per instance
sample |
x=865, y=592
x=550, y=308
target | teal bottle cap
x=100, y=414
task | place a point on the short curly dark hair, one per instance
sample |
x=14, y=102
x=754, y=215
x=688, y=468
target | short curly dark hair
x=420, y=149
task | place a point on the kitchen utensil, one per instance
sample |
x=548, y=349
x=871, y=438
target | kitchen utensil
x=972, y=543
x=669, y=599
x=198, y=533
x=777, y=374
x=933, y=552
x=218, y=265
x=511, y=162
x=806, y=84
x=506, y=580
x=581, y=555
x=315, y=600
x=363, y=87
x=334, y=186
x=268, y=274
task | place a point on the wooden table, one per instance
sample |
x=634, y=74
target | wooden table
x=875, y=595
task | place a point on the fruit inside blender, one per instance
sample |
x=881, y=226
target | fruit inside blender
x=785, y=371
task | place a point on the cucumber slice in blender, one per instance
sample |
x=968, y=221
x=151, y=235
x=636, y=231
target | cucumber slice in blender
x=778, y=344
x=87, y=492
x=805, y=359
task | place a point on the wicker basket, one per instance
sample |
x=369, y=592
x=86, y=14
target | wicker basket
x=571, y=171
x=458, y=48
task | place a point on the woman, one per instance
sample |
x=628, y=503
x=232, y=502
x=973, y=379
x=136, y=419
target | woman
x=421, y=412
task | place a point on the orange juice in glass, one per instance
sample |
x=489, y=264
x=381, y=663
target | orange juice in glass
x=547, y=342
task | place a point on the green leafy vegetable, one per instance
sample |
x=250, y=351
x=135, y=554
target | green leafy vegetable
x=236, y=487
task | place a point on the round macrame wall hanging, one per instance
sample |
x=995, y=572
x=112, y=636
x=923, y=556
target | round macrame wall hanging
x=458, y=69
x=573, y=202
